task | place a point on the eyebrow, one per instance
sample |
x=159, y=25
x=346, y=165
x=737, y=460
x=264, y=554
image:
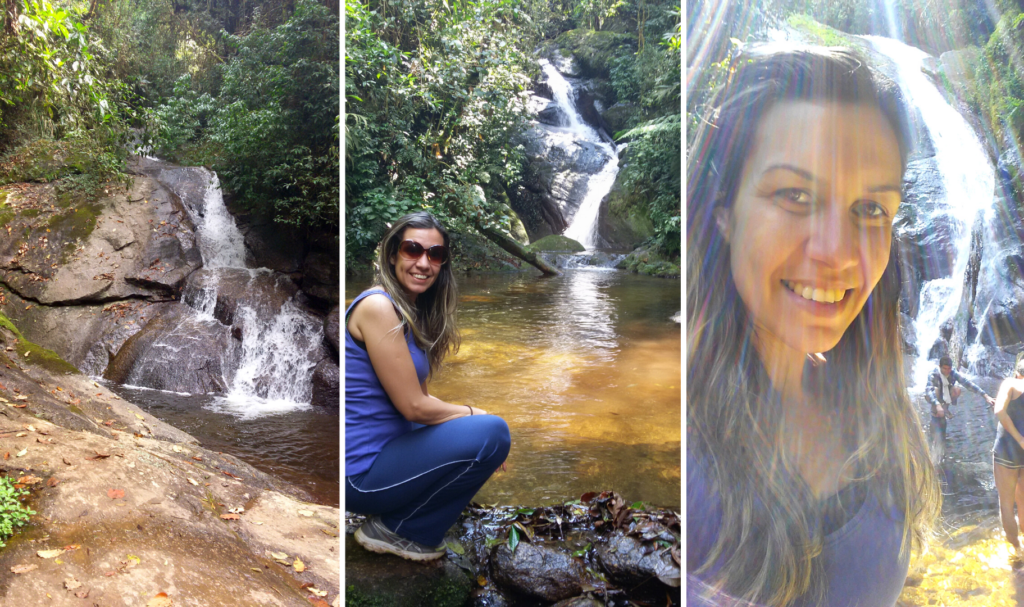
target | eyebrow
x=807, y=175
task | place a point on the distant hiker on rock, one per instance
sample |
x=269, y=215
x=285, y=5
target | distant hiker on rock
x=942, y=393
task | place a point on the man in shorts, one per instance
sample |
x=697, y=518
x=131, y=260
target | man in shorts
x=942, y=393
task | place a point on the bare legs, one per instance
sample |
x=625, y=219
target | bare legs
x=1010, y=486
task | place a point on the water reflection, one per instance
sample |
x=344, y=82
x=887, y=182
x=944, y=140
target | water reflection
x=585, y=368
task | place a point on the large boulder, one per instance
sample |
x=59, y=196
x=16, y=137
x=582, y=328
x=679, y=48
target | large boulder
x=629, y=561
x=332, y=329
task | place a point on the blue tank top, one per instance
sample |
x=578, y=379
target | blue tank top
x=371, y=419
x=862, y=561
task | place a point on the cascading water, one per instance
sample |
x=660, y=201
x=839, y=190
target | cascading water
x=967, y=178
x=583, y=227
x=272, y=371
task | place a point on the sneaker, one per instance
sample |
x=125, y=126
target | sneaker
x=375, y=537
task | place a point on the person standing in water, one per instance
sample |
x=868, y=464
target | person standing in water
x=1008, y=452
x=942, y=393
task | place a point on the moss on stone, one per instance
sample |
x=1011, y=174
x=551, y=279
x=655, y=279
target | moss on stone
x=594, y=51
x=74, y=226
x=650, y=263
x=7, y=324
x=6, y=214
x=818, y=32
x=33, y=354
x=556, y=242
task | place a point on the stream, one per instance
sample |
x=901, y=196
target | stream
x=585, y=369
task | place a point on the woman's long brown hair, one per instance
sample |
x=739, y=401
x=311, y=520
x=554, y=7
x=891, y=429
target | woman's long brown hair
x=767, y=549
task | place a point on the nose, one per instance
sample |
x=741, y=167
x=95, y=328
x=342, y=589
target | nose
x=423, y=262
x=834, y=239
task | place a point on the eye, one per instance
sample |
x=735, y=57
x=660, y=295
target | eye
x=870, y=209
x=793, y=197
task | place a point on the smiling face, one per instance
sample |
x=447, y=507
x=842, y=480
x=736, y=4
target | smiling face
x=811, y=225
x=417, y=275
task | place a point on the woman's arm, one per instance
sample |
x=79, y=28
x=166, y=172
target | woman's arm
x=1006, y=394
x=375, y=322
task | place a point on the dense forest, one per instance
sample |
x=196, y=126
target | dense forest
x=437, y=98
x=249, y=89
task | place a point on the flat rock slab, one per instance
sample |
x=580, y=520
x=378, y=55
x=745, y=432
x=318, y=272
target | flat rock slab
x=136, y=508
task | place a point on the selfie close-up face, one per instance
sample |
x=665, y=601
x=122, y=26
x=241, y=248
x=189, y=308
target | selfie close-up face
x=810, y=228
x=418, y=273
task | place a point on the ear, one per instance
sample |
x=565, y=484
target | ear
x=723, y=219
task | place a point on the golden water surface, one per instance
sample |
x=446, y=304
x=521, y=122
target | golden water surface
x=585, y=368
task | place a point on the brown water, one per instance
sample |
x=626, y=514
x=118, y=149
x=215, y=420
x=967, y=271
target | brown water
x=585, y=368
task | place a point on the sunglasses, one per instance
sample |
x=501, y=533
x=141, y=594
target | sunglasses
x=412, y=250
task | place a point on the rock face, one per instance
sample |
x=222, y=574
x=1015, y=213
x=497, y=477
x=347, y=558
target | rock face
x=332, y=328
x=327, y=385
x=82, y=280
x=537, y=571
x=626, y=561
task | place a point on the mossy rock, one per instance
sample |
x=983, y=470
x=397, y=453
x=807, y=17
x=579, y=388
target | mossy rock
x=556, y=242
x=33, y=354
x=651, y=263
x=594, y=50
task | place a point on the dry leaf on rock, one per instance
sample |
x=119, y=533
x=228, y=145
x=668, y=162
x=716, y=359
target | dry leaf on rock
x=306, y=512
x=21, y=453
x=82, y=594
x=29, y=479
x=279, y=555
x=320, y=593
x=299, y=566
x=160, y=600
x=115, y=494
x=49, y=554
x=230, y=517
x=19, y=569
x=71, y=583
x=53, y=481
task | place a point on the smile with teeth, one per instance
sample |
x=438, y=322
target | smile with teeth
x=819, y=295
x=420, y=276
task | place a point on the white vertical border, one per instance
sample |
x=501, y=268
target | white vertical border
x=341, y=285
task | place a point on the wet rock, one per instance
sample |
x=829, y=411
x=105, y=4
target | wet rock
x=326, y=385
x=552, y=115
x=332, y=328
x=489, y=597
x=908, y=337
x=579, y=601
x=321, y=277
x=269, y=244
x=177, y=351
x=628, y=560
x=261, y=291
x=537, y=571
x=619, y=115
x=556, y=243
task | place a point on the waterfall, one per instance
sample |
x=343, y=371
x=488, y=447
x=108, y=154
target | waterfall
x=968, y=179
x=273, y=371
x=583, y=227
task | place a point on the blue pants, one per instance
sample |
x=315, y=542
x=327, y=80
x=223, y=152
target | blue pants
x=421, y=481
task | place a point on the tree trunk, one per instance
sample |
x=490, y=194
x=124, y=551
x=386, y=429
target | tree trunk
x=513, y=247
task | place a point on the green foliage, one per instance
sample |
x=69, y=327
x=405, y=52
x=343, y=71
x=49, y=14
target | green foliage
x=594, y=51
x=270, y=128
x=12, y=513
x=821, y=34
x=653, y=177
x=436, y=94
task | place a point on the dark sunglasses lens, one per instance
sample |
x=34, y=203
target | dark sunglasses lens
x=437, y=254
x=410, y=249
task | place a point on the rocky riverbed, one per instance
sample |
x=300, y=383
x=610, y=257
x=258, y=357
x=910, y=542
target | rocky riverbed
x=590, y=552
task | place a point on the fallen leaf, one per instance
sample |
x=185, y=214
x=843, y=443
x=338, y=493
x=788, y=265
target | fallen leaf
x=193, y=481
x=329, y=532
x=21, y=397
x=306, y=512
x=481, y=580
x=53, y=481
x=99, y=455
x=160, y=600
x=7, y=455
x=319, y=603
x=71, y=583
x=21, y=453
x=21, y=434
x=65, y=460
x=49, y=554
x=82, y=594
x=299, y=566
x=29, y=479
x=279, y=555
x=139, y=416
x=19, y=569
x=177, y=449
x=115, y=494
x=230, y=517
x=320, y=593
x=30, y=428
